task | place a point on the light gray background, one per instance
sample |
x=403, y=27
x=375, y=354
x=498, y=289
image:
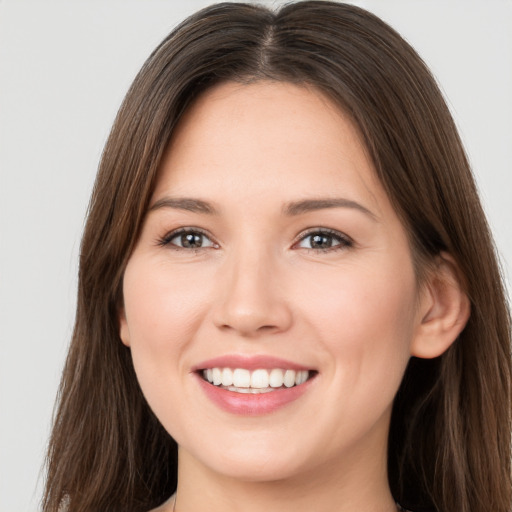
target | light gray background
x=64, y=68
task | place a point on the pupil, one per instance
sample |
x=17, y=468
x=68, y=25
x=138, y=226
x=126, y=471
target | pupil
x=321, y=241
x=191, y=240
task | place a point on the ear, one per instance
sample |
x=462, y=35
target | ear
x=443, y=311
x=124, y=332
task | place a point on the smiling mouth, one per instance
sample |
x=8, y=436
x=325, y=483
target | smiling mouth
x=241, y=380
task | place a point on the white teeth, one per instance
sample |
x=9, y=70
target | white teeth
x=216, y=376
x=227, y=377
x=252, y=391
x=301, y=377
x=242, y=378
x=257, y=381
x=289, y=378
x=276, y=378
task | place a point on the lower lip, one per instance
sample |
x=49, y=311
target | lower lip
x=248, y=404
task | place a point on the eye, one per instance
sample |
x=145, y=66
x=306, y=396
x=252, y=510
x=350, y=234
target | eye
x=187, y=239
x=324, y=240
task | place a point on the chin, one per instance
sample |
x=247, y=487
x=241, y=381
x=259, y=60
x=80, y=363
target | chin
x=254, y=463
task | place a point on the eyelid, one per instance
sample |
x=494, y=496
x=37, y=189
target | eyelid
x=165, y=241
x=345, y=240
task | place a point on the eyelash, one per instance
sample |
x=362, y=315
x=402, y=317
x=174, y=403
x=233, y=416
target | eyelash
x=166, y=240
x=342, y=241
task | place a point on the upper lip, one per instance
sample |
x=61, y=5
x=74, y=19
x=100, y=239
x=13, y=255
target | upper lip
x=253, y=362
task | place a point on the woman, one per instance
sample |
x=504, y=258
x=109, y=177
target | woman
x=288, y=294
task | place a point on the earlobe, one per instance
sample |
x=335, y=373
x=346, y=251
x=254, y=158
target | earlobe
x=124, y=333
x=444, y=310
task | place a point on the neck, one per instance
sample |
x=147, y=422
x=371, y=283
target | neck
x=358, y=485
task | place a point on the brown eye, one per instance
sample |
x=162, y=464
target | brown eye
x=191, y=240
x=324, y=240
x=321, y=241
x=188, y=239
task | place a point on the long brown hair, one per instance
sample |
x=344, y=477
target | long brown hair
x=449, y=444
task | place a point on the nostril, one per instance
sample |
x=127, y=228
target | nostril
x=250, y=304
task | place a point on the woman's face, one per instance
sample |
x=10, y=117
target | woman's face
x=270, y=255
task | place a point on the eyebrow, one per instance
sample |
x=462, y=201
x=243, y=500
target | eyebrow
x=291, y=209
x=309, y=205
x=184, y=203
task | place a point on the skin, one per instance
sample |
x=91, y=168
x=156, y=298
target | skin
x=354, y=311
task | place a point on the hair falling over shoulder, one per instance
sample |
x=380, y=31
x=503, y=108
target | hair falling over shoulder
x=450, y=437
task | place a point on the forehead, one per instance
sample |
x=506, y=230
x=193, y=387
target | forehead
x=268, y=139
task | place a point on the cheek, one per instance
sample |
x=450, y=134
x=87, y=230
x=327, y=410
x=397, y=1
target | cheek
x=365, y=317
x=161, y=307
x=163, y=310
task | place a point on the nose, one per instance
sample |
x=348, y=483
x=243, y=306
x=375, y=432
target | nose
x=252, y=300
